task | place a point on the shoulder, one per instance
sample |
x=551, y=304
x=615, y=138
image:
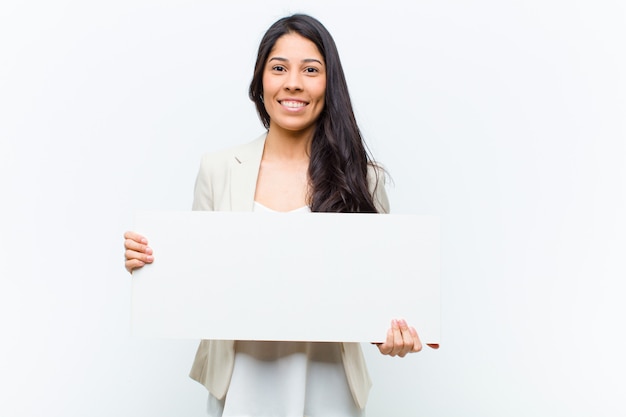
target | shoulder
x=213, y=179
x=235, y=154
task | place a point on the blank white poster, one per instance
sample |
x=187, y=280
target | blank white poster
x=271, y=276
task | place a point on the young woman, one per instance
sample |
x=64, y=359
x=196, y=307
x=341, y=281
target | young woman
x=312, y=158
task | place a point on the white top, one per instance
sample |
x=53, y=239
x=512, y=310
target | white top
x=286, y=379
x=258, y=207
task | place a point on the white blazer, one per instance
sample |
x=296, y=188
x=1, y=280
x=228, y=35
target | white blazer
x=227, y=182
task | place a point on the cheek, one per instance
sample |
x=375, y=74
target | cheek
x=266, y=87
x=322, y=97
x=322, y=91
x=266, y=95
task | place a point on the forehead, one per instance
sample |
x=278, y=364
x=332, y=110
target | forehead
x=295, y=47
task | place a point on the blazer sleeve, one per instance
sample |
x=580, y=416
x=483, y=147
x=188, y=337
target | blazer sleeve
x=376, y=177
x=203, y=190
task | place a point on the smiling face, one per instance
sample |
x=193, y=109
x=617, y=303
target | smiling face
x=294, y=85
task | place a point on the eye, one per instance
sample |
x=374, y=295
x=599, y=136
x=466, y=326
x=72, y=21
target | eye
x=311, y=70
x=278, y=68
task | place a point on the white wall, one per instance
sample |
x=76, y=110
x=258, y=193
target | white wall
x=507, y=119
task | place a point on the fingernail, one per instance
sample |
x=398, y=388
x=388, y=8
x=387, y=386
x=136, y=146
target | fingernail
x=149, y=258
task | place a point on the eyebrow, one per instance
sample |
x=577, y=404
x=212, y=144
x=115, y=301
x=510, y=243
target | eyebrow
x=306, y=60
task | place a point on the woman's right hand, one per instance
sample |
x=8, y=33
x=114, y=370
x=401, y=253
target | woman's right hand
x=137, y=253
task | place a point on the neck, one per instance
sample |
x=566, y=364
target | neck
x=287, y=145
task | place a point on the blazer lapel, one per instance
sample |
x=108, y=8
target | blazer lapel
x=244, y=174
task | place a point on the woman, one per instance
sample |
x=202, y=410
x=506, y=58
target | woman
x=312, y=158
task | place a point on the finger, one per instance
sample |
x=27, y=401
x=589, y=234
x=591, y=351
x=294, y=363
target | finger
x=137, y=246
x=136, y=237
x=139, y=251
x=405, y=344
x=143, y=257
x=417, y=343
x=398, y=340
x=133, y=264
x=383, y=348
x=387, y=347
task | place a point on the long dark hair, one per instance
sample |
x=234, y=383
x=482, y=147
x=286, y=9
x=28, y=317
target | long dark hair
x=339, y=160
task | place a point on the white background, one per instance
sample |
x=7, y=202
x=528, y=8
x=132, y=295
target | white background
x=505, y=118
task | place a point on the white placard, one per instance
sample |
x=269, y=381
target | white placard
x=276, y=276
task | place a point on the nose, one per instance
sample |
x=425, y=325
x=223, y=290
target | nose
x=293, y=81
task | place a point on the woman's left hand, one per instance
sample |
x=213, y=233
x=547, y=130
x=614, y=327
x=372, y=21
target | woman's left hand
x=401, y=339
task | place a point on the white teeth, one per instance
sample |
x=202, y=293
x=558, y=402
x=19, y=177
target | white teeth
x=293, y=104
